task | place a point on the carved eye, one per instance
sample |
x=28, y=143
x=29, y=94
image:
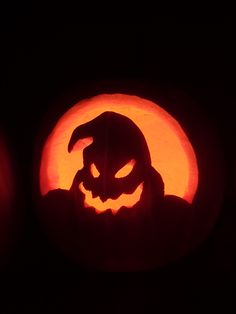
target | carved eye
x=125, y=171
x=94, y=171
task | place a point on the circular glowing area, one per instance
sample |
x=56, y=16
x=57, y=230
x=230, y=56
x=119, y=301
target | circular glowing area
x=172, y=154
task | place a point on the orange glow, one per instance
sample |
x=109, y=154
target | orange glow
x=6, y=177
x=171, y=152
x=94, y=171
x=125, y=171
x=127, y=200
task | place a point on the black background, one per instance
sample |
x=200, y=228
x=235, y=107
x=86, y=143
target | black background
x=44, y=54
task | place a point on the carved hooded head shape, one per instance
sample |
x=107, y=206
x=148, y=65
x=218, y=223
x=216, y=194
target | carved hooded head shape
x=115, y=164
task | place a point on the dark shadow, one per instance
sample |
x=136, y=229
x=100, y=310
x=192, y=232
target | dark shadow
x=153, y=231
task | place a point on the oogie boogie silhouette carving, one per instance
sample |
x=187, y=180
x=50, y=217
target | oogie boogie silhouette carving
x=115, y=215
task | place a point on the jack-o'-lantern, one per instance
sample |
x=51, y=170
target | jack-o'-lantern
x=118, y=179
x=6, y=200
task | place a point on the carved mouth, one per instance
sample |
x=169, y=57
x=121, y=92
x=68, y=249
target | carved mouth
x=126, y=200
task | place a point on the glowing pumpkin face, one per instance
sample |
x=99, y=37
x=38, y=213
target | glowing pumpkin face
x=118, y=177
x=170, y=150
x=116, y=163
x=100, y=203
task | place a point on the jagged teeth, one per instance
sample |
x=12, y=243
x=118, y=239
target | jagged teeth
x=127, y=200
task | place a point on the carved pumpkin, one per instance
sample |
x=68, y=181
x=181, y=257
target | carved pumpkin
x=171, y=153
x=118, y=177
x=6, y=199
